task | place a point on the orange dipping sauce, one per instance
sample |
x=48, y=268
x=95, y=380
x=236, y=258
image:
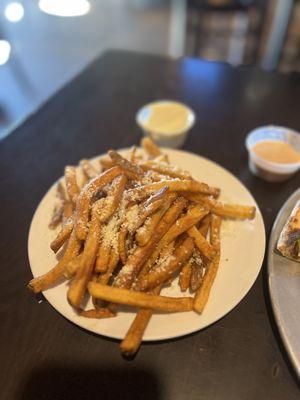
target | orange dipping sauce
x=276, y=151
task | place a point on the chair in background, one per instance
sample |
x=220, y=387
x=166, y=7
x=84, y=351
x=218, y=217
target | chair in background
x=228, y=30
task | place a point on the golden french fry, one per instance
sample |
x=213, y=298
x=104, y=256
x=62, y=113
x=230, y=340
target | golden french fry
x=205, y=248
x=98, y=313
x=164, y=169
x=71, y=183
x=68, y=211
x=57, y=216
x=204, y=225
x=112, y=264
x=78, y=285
x=45, y=281
x=85, y=198
x=58, y=212
x=109, y=240
x=174, y=186
x=145, y=232
x=136, y=260
x=202, y=294
x=138, y=299
x=196, y=276
x=150, y=147
x=155, y=200
x=185, y=276
x=134, y=336
x=88, y=169
x=103, y=256
x=223, y=209
x=112, y=201
x=132, y=341
x=62, y=236
x=132, y=154
x=162, y=273
x=133, y=171
x=60, y=192
x=122, y=244
x=72, y=266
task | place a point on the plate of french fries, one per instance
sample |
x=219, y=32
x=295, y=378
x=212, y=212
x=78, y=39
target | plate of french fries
x=145, y=244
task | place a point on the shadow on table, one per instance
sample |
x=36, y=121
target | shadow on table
x=74, y=383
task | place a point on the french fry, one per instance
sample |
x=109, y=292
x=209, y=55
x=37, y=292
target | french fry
x=136, y=260
x=133, y=171
x=198, y=262
x=162, y=273
x=60, y=192
x=108, y=241
x=204, y=225
x=52, y=277
x=62, y=236
x=103, y=255
x=88, y=169
x=145, y=232
x=164, y=169
x=132, y=341
x=205, y=248
x=58, y=212
x=174, y=186
x=138, y=299
x=185, y=276
x=155, y=200
x=132, y=154
x=196, y=277
x=223, y=209
x=97, y=313
x=202, y=294
x=57, y=216
x=122, y=244
x=150, y=147
x=68, y=211
x=72, y=266
x=112, y=201
x=85, y=198
x=112, y=264
x=78, y=285
x=71, y=183
x=133, y=338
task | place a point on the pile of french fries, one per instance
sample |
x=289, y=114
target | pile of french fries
x=129, y=229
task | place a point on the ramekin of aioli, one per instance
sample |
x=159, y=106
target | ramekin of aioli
x=274, y=152
x=166, y=122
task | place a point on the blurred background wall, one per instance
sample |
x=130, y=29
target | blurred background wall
x=45, y=43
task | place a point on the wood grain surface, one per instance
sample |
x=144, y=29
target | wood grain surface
x=44, y=356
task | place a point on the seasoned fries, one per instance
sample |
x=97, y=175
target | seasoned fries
x=139, y=299
x=133, y=229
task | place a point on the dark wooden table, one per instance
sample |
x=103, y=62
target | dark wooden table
x=44, y=356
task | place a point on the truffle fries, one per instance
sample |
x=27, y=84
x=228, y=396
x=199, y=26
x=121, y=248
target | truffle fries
x=133, y=229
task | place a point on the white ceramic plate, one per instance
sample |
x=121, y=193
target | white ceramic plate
x=243, y=247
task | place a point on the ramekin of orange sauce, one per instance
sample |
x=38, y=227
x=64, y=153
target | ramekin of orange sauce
x=274, y=152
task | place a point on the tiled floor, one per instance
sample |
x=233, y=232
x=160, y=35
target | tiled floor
x=47, y=51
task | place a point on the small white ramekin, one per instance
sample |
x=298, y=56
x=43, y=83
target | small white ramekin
x=172, y=139
x=271, y=171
